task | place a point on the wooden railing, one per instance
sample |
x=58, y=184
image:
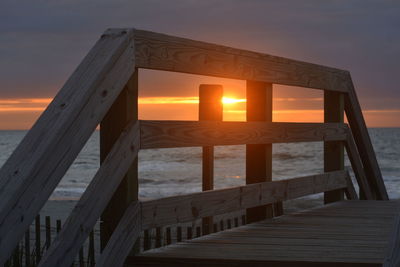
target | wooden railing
x=104, y=89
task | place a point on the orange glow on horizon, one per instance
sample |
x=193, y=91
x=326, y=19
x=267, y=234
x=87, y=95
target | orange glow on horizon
x=230, y=100
x=21, y=113
x=168, y=100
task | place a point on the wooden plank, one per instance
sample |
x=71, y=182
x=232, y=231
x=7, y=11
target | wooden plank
x=333, y=150
x=170, y=134
x=123, y=111
x=392, y=258
x=123, y=238
x=176, y=261
x=94, y=200
x=36, y=166
x=259, y=156
x=350, y=191
x=27, y=247
x=191, y=252
x=363, y=142
x=38, y=243
x=185, y=208
x=210, y=109
x=163, y=52
x=48, y=232
x=356, y=164
x=292, y=240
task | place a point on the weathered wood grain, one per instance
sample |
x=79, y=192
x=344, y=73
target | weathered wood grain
x=350, y=191
x=344, y=233
x=34, y=169
x=190, y=207
x=356, y=164
x=123, y=111
x=392, y=258
x=94, y=200
x=123, y=239
x=176, y=262
x=333, y=150
x=168, y=134
x=363, y=142
x=210, y=109
x=259, y=156
x=163, y=52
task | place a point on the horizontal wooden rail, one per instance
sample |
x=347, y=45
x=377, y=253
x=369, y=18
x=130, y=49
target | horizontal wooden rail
x=169, y=53
x=186, y=208
x=169, y=134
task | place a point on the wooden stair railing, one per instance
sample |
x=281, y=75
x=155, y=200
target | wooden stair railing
x=37, y=165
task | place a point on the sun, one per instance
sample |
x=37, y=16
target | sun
x=229, y=100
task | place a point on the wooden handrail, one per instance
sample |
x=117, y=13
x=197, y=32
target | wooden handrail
x=154, y=213
x=186, y=208
x=39, y=162
x=169, y=134
x=163, y=52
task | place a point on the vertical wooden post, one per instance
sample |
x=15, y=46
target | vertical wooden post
x=28, y=247
x=91, y=258
x=58, y=227
x=210, y=109
x=81, y=258
x=146, y=240
x=168, y=236
x=189, y=233
x=259, y=157
x=37, y=239
x=179, y=234
x=333, y=150
x=158, y=237
x=48, y=231
x=124, y=110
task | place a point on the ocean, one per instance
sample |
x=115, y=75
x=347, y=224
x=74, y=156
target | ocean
x=167, y=172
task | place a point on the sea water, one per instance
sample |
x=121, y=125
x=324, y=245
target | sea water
x=167, y=172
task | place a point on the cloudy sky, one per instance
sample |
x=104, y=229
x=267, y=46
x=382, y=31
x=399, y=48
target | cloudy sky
x=42, y=42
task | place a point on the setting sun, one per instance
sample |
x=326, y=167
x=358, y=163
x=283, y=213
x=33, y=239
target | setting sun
x=229, y=100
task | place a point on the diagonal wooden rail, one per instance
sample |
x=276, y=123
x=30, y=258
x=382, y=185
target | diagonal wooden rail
x=37, y=165
x=96, y=197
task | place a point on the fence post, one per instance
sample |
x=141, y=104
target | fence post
x=333, y=150
x=123, y=110
x=28, y=247
x=258, y=157
x=210, y=109
x=37, y=239
x=48, y=231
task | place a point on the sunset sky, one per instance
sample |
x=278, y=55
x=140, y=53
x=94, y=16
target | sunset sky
x=42, y=42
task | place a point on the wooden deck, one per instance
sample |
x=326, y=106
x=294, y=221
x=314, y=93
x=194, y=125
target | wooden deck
x=104, y=90
x=346, y=233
